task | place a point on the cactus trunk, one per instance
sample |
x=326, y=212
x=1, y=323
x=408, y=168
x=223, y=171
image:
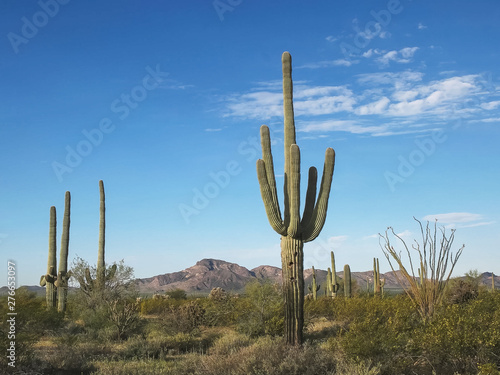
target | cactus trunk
x=294, y=230
x=347, y=281
x=292, y=258
x=51, y=276
x=101, y=266
x=63, y=275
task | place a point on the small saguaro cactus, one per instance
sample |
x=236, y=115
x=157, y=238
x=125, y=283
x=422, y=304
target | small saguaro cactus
x=492, y=282
x=48, y=280
x=377, y=289
x=347, y=281
x=294, y=229
x=328, y=290
x=314, y=287
x=334, y=282
x=64, y=275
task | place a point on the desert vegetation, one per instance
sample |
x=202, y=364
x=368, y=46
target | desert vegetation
x=226, y=333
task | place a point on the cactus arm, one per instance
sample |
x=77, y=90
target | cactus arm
x=313, y=228
x=310, y=196
x=267, y=156
x=43, y=282
x=272, y=209
x=294, y=225
x=101, y=266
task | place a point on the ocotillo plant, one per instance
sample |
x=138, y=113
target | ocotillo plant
x=314, y=287
x=294, y=230
x=50, y=277
x=64, y=275
x=334, y=282
x=347, y=281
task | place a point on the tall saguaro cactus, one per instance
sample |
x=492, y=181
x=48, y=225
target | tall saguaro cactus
x=48, y=280
x=294, y=229
x=101, y=266
x=64, y=275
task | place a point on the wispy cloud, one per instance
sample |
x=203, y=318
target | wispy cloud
x=454, y=217
x=403, y=56
x=328, y=64
x=375, y=104
x=421, y=26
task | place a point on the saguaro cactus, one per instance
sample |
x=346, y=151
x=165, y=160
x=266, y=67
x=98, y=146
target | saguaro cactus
x=314, y=287
x=347, y=281
x=64, y=275
x=376, y=277
x=87, y=284
x=294, y=230
x=48, y=280
x=101, y=266
x=334, y=281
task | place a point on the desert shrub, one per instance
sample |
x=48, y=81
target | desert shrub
x=463, y=336
x=260, y=311
x=220, y=308
x=376, y=329
x=176, y=294
x=270, y=356
x=32, y=321
x=230, y=343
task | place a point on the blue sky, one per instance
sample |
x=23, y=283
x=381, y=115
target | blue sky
x=164, y=100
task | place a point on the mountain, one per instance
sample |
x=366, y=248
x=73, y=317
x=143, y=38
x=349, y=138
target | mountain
x=211, y=273
x=206, y=275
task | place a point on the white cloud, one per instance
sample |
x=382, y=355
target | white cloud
x=331, y=38
x=374, y=108
x=454, y=217
x=491, y=105
x=403, y=56
x=328, y=64
x=213, y=130
x=421, y=26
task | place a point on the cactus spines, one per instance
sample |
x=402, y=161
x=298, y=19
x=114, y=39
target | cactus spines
x=347, y=281
x=101, y=266
x=314, y=287
x=334, y=282
x=64, y=275
x=294, y=230
x=50, y=277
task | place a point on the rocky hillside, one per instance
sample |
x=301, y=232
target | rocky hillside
x=211, y=273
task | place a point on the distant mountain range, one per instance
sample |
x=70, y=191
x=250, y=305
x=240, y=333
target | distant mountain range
x=211, y=273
